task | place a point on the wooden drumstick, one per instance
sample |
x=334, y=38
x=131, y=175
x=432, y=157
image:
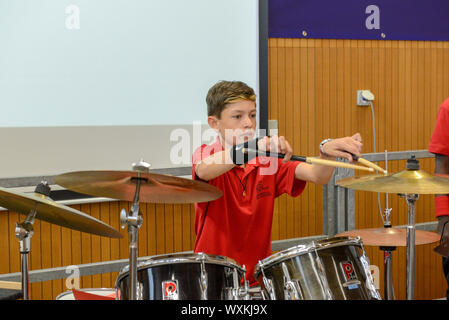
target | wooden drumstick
x=369, y=163
x=372, y=165
x=310, y=160
x=11, y=285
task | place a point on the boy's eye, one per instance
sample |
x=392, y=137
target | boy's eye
x=237, y=116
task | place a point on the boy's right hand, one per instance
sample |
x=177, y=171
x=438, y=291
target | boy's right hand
x=276, y=144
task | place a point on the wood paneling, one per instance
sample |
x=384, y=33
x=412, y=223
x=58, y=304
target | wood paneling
x=313, y=84
x=165, y=229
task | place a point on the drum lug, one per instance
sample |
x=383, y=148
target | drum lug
x=238, y=292
x=292, y=290
x=203, y=279
x=268, y=284
x=369, y=277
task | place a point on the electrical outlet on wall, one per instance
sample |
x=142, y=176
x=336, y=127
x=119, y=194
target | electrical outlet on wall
x=364, y=97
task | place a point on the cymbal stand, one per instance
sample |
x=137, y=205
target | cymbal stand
x=411, y=199
x=134, y=221
x=24, y=231
x=388, y=272
x=388, y=261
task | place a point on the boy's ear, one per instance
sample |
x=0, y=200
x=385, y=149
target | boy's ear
x=213, y=122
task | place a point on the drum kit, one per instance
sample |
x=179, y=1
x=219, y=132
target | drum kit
x=334, y=268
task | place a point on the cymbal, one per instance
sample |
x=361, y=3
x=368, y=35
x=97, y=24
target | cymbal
x=403, y=182
x=50, y=211
x=390, y=237
x=154, y=188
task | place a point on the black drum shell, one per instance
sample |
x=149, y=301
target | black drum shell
x=219, y=281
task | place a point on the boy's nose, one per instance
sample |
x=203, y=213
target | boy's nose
x=247, y=122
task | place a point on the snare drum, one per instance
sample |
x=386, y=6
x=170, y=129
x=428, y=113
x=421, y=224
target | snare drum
x=331, y=269
x=182, y=276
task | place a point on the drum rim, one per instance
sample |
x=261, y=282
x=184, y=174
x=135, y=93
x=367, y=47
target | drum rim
x=62, y=294
x=300, y=249
x=175, y=258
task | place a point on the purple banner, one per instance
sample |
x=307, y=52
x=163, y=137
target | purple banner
x=360, y=19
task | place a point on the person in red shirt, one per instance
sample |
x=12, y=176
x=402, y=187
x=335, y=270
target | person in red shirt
x=439, y=145
x=238, y=225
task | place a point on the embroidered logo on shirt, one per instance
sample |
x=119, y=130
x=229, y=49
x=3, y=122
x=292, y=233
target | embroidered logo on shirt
x=262, y=191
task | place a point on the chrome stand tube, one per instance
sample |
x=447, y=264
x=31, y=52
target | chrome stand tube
x=24, y=231
x=411, y=198
x=134, y=221
x=388, y=272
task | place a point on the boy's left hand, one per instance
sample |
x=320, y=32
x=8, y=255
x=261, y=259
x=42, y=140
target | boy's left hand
x=344, y=147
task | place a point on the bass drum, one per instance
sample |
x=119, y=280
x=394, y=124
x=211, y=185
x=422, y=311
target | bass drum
x=183, y=276
x=331, y=269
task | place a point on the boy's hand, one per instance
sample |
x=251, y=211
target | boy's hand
x=276, y=144
x=344, y=147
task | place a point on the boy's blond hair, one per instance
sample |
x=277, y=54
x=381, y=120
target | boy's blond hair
x=226, y=92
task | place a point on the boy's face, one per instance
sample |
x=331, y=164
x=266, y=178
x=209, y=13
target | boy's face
x=237, y=123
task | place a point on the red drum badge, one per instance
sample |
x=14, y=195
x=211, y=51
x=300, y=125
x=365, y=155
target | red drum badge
x=348, y=270
x=170, y=290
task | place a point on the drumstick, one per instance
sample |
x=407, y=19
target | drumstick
x=10, y=285
x=310, y=160
x=369, y=163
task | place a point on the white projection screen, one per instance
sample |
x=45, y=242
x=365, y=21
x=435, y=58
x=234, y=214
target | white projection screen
x=98, y=85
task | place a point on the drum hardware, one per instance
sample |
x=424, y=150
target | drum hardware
x=181, y=276
x=134, y=221
x=268, y=283
x=240, y=292
x=310, y=272
x=388, y=272
x=203, y=278
x=292, y=291
x=408, y=184
x=39, y=205
x=24, y=231
x=138, y=185
x=324, y=286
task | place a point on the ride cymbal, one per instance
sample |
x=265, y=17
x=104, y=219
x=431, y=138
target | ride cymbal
x=50, y=211
x=154, y=188
x=390, y=237
x=403, y=182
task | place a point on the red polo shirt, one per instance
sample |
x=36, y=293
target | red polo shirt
x=439, y=143
x=238, y=226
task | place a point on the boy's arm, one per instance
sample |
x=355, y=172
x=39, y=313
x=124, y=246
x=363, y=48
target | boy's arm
x=342, y=147
x=214, y=165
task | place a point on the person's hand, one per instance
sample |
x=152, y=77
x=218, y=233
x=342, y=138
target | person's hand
x=442, y=224
x=276, y=144
x=344, y=147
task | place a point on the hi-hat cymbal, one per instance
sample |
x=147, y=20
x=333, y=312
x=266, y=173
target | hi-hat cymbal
x=50, y=211
x=154, y=188
x=390, y=237
x=403, y=182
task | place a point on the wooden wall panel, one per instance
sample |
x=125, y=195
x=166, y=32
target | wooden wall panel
x=312, y=90
x=166, y=229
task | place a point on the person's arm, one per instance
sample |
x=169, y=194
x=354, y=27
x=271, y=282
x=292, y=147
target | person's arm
x=342, y=147
x=214, y=165
x=442, y=200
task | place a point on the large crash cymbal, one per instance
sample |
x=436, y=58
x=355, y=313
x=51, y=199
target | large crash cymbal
x=403, y=182
x=390, y=237
x=55, y=213
x=154, y=188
